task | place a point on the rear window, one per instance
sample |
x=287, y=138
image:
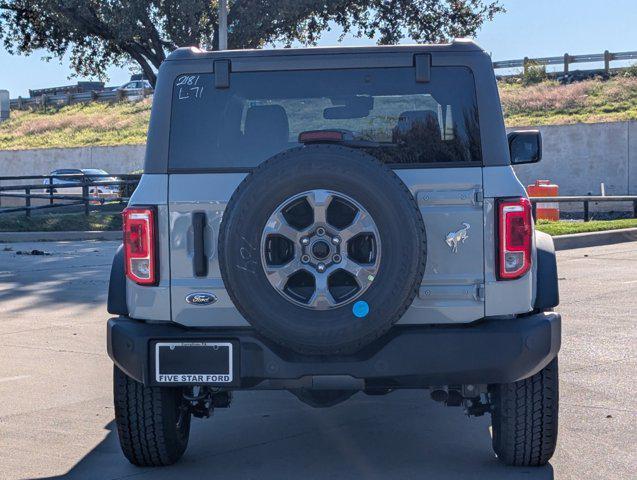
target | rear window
x=383, y=111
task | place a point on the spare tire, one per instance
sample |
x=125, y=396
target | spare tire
x=322, y=249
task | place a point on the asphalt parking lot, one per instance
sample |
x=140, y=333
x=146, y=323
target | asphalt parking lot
x=56, y=403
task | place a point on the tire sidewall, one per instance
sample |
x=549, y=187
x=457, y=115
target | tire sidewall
x=342, y=170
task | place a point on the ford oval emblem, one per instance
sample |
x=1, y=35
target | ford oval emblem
x=201, y=298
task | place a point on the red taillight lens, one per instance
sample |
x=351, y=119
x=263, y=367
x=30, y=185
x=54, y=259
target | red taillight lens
x=311, y=136
x=139, y=245
x=515, y=243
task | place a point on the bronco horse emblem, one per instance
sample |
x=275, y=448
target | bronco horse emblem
x=454, y=239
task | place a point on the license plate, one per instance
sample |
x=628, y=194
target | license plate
x=196, y=362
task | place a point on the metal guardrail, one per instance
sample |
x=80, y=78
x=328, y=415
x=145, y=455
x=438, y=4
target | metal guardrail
x=567, y=60
x=51, y=191
x=83, y=97
x=586, y=200
x=116, y=95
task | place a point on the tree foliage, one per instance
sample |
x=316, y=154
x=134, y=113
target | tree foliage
x=99, y=33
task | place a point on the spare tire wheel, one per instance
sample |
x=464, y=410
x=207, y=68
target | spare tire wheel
x=322, y=248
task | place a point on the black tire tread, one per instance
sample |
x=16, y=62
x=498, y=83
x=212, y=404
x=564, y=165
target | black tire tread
x=141, y=426
x=525, y=418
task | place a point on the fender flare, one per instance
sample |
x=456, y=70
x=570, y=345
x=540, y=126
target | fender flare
x=116, y=304
x=547, y=294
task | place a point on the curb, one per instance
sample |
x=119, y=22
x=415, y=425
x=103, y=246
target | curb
x=594, y=239
x=14, y=237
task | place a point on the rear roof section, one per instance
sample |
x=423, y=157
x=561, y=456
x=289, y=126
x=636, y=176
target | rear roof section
x=193, y=61
x=193, y=53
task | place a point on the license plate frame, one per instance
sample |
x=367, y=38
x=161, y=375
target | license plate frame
x=170, y=355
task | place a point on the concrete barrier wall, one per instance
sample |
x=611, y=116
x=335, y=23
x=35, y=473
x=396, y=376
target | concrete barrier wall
x=117, y=159
x=576, y=157
x=579, y=157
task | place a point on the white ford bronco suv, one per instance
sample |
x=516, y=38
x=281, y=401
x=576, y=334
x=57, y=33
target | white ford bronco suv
x=331, y=221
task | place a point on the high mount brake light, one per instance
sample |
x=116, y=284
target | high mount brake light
x=312, y=136
x=515, y=227
x=140, y=250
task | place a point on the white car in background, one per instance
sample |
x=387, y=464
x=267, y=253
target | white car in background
x=135, y=89
x=80, y=176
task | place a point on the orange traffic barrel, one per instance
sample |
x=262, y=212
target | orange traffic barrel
x=545, y=210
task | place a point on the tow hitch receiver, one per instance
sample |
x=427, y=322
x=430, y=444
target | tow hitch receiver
x=203, y=400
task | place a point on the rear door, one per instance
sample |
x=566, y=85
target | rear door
x=426, y=130
x=451, y=204
x=196, y=203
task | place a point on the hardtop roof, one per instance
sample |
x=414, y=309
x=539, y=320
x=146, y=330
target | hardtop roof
x=194, y=53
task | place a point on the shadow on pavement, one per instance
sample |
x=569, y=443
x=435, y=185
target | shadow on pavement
x=271, y=435
x=69, y=272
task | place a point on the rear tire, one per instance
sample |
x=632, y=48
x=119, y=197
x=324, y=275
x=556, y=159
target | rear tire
x=153, y=423
x=524, y=418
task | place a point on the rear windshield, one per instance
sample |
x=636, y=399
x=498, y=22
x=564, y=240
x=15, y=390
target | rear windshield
x=382, y=110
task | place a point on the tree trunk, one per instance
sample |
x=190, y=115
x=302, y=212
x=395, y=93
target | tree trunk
x=145, y=65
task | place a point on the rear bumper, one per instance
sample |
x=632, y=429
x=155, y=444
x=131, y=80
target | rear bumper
x=484, y=352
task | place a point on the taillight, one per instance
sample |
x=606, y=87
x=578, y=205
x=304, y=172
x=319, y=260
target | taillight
x=515, y=243
x=140, y=257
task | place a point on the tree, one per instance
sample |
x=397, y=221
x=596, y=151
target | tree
x=99, y=33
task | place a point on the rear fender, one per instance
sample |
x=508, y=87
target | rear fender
x=547, y=290
x=116, y=304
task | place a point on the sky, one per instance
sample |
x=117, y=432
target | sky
x=533, y=28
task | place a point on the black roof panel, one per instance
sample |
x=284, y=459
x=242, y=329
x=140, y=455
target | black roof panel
x=193, y=53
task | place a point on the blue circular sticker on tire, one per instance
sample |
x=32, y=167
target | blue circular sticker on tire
x=360, y=309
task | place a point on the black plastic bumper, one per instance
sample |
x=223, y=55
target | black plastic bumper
x=489, y=351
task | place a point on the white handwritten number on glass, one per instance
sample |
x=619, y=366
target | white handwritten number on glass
x=189, y=88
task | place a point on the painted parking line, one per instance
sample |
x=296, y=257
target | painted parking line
x=10, y=379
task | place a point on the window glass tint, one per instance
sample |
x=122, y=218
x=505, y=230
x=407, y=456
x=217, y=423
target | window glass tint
x=383, y=111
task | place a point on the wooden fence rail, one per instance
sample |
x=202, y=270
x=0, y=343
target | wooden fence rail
x=585, y=200
x=55, y=190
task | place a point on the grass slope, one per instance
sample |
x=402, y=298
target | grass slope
x=122, y=123
x=565, y=228
x=93, y=124
x=550, y=103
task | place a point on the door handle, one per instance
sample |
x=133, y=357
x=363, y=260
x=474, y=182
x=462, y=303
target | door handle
x=200, y=260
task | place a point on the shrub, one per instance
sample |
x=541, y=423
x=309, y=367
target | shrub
x=631, y=71
x=534, y=74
